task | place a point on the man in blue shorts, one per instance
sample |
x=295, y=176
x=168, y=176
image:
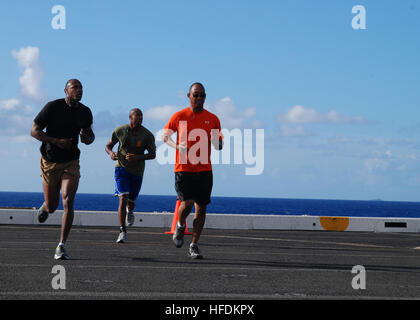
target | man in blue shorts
x=133, y=140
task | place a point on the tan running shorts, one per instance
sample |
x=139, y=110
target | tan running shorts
x=52, y=172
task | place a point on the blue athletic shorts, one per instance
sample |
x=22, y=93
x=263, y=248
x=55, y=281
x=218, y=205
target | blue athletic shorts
x=127, y=183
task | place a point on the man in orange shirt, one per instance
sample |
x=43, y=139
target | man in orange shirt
x=196, y=130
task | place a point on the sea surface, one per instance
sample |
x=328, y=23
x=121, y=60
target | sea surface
x=231, y=205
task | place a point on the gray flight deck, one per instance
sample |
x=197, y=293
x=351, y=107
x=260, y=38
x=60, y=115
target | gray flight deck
x=237, y=265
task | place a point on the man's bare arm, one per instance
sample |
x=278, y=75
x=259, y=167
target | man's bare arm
x=215, y=140
x=168, y=140
x=108, y=149
x=150, y=155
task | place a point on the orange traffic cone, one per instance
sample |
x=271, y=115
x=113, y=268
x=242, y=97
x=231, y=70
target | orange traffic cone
x=175, y=220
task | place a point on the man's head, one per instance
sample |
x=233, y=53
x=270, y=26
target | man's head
x=197, y=95
x=74, y=90
x=136, y=118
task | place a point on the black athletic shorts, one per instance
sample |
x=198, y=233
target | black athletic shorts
x=195, y=186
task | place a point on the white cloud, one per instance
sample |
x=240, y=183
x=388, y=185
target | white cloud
x=104, y=122
x=250, y=112
x=15, y=117
x=8, y=105
x=232, y=117
x=161, y=113
x=339, y=139
x=22, y=139
x=375, y=164
x=32, y=72
x=301, y=115
x=287, y=131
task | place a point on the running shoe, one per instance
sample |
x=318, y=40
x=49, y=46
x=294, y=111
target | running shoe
x=178, y=236
x=129, y=218
x=42, y=214
x=122, y=237
x=60, y=253
x=194, y=252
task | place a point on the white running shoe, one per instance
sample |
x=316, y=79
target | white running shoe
x=60, y=253
x=129, y=219
x=178, y=237
x=122, y=237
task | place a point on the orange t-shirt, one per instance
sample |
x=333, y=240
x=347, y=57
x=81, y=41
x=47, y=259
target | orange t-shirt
x=196, y=129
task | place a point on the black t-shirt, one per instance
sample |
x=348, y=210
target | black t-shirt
x=63, y=122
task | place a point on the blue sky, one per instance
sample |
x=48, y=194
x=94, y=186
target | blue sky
x=340, y=108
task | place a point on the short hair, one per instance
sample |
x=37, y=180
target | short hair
x=197, y=84
x=137, y=110
x=71, y=80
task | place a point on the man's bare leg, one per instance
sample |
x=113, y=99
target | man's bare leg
x=184, y=210
x=51, y=201
x=51, y=197
x=198, y=225
x=69, y=187
x=122, y=213
x=130, y=205
x=130, y=215
x=199, y=221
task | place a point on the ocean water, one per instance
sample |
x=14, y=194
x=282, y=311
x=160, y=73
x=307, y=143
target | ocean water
x=271, y=206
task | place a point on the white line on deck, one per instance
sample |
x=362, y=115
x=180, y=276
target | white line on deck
x=187, y=295
x=240, y=237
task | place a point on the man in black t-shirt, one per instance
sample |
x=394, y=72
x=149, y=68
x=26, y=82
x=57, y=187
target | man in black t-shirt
x=64, y=120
